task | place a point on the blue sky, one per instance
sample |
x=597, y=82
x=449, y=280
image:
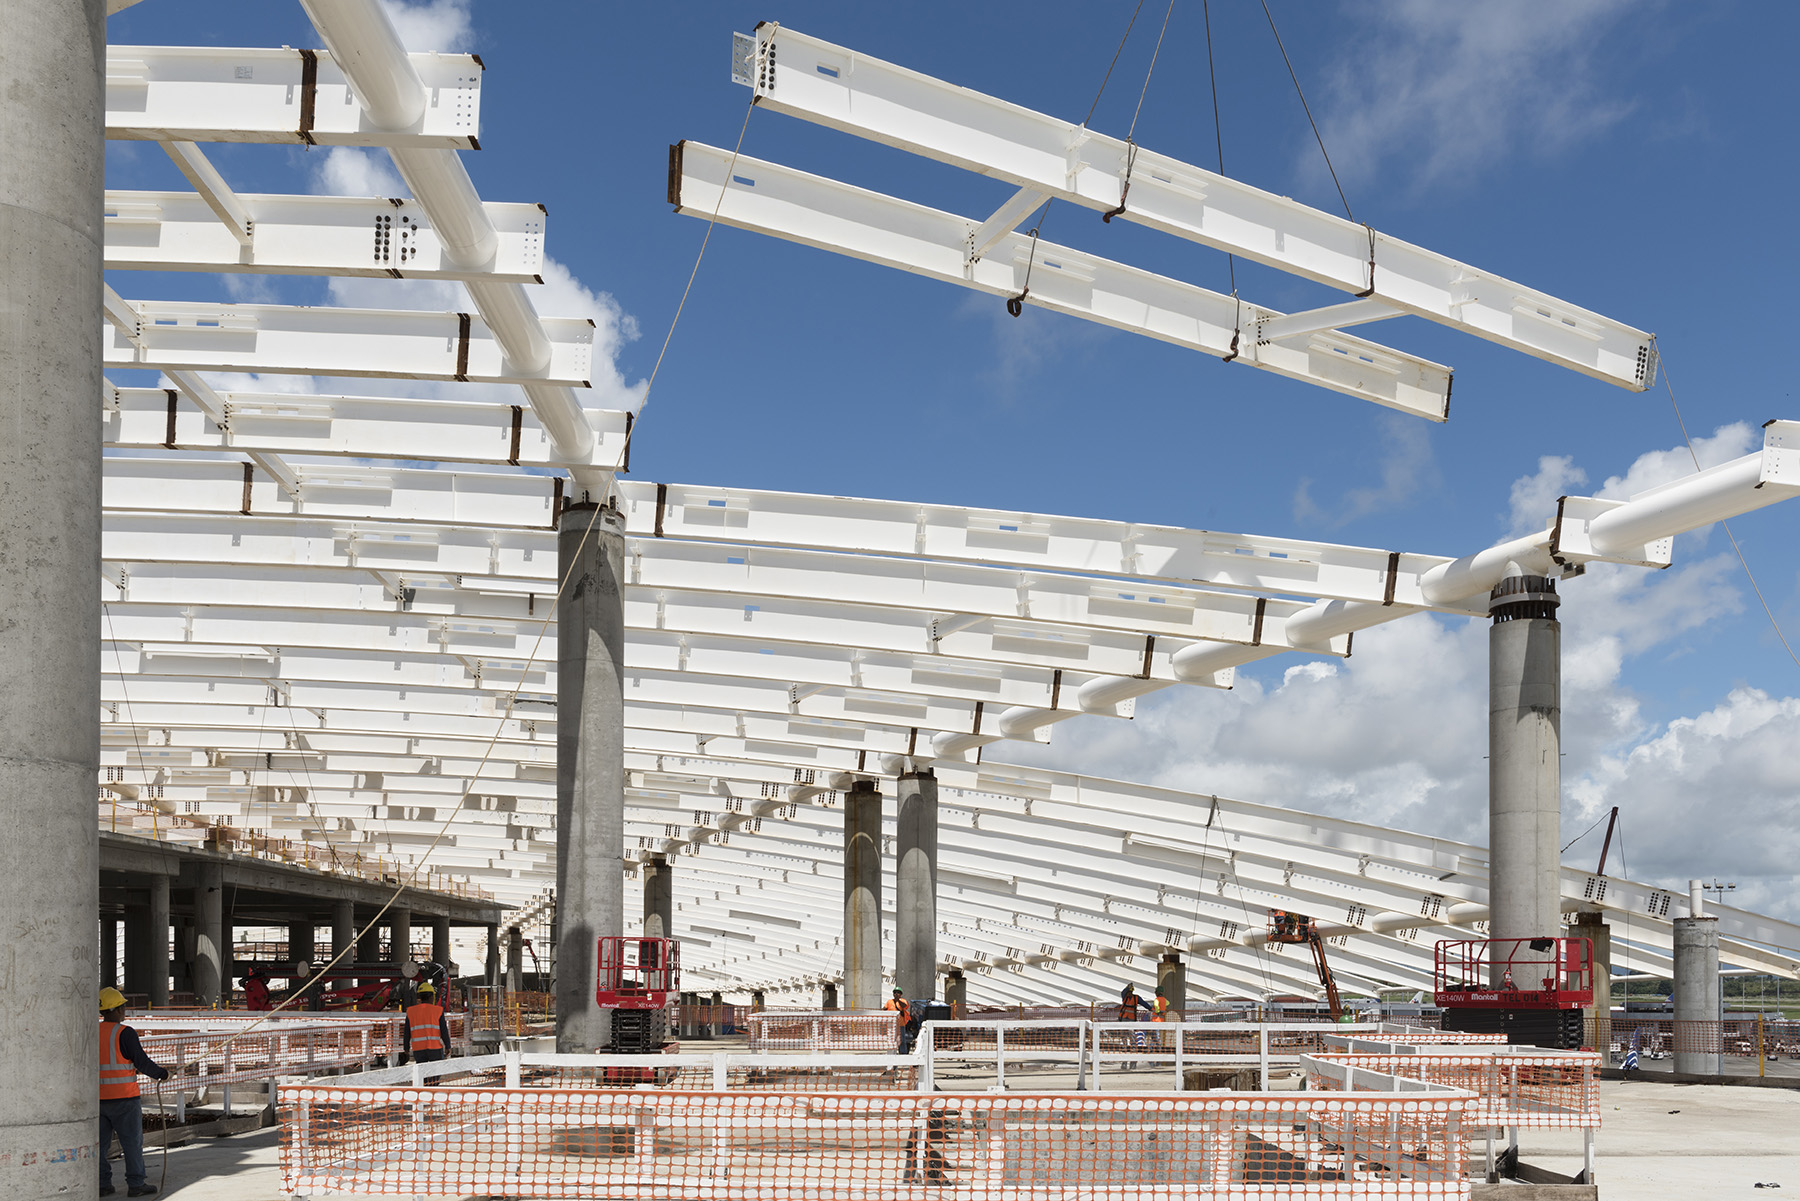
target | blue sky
x=1633, y=158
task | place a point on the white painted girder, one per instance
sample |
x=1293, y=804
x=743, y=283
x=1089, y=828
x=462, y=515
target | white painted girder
x=823, y=213
x=858, y=94
x=374, y=343
x=220, y=94
x=310, y=235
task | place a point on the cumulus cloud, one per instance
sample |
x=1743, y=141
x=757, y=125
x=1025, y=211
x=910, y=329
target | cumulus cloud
x=1437, y=90
x=1407, y=468
x=1397, y=734
x=442, y=25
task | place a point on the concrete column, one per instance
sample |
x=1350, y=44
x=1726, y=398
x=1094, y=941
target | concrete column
x=184, y=954
x=52, y=65
x=368, y=949
x=590, y=764
x=209, y=934
x=399, y=935
x=493, y=957
x=1697, y=995
x=1592, y=927
x=440, y=941
x=862, y=896
x=109, y=951
x=659, y=898
x=343, y=927
x=301, y=947
x=915, y=886
x=828, y=998
x=756, y=1001
x=137, y=941
x=515, y=960
x=1171, y=977
x=156, y=942
x=956, y=991
x=1525, y=769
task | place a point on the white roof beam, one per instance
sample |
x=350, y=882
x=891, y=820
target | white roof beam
x=214, y=192
x=1337, y=316
x=302, y=340
x=308, y=235
x=390, y=83
x=862, y=95
x=220, y=94
x=820, y=212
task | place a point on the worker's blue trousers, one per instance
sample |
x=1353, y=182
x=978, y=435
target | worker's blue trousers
x=125, y=1118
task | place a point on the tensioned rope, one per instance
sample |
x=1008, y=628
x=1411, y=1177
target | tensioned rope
x=1301, y=92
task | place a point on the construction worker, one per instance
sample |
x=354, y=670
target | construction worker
x=1159, y=1008
x=901, y=1011
x=425, y=1035
x=121, y=1111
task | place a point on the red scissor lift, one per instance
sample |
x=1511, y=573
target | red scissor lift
x=639, y=980
x=1531, y=989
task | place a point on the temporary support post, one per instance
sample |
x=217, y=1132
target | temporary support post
x=915, y=886
x=515, y=960
x=1592, y=927
x=828, y=998
x=156, y=943
x=493, y=957
x=956, y=993
x=211, y=955
x=862, y=895
x=659, y=897
x=590, y=764
x=1525, y=765
x=1171, y=981
x=52, y=68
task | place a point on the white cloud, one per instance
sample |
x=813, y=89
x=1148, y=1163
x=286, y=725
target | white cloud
x=1408, y=467
x=442, y=25
x=1443, y=89
x=1397, y=734
x=351, y=171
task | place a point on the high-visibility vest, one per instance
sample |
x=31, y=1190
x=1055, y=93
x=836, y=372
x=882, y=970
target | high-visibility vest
x=423, y=1020
x=1159, y=1009
x=118, y=1075
x=900, y=1008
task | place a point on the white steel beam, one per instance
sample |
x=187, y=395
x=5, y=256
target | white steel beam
x=820, y=212
x=393, y=344
x=212, y=189
x=219, y=94
x=308, y=235
x=858, y=94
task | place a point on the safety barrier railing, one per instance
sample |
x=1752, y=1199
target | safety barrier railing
x=1421, y=1036
x=1657, y=1038
x=219, y=1051
x=978, y=1054
x=824, y=1030
x=377, y=1135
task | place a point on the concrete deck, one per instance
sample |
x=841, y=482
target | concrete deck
x=1719, y=1145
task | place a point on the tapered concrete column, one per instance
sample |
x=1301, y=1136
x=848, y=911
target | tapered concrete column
x=301, y=948
x=862, y=896
x=515, y=960
x=590, y=764
x=156, y=942
x=137, y=942
x=956, y=991
x=756, y=1001
x=440, y=941
x=52, y=66
x=828, y=997
x=399, y=934
x=493, y=957
x=1171, y=977
x=184, y=955
x=659, y=898
x=1593, y=927
x=209, y=933
x=1697, y=1045
x=915, y=886
x=343, y=928
x=109, y=951
x=1525, y=769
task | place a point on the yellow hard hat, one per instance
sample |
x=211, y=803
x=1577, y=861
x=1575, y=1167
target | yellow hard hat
x=111, y=998
x=426, y=989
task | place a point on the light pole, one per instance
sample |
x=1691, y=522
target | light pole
x=1721, y=889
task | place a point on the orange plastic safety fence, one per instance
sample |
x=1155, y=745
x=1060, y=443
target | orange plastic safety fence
x=1551, y=1090
x=652, y=1073
x=829, y=1146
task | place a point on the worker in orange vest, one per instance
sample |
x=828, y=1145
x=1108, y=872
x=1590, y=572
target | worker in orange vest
x=897, y=1004
x=426, y=1034
x=1159, y=1008
x=121, y=1111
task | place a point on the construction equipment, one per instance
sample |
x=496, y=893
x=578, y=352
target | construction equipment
x=1285, y=927
x=639, y=980
x=1531, y=989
